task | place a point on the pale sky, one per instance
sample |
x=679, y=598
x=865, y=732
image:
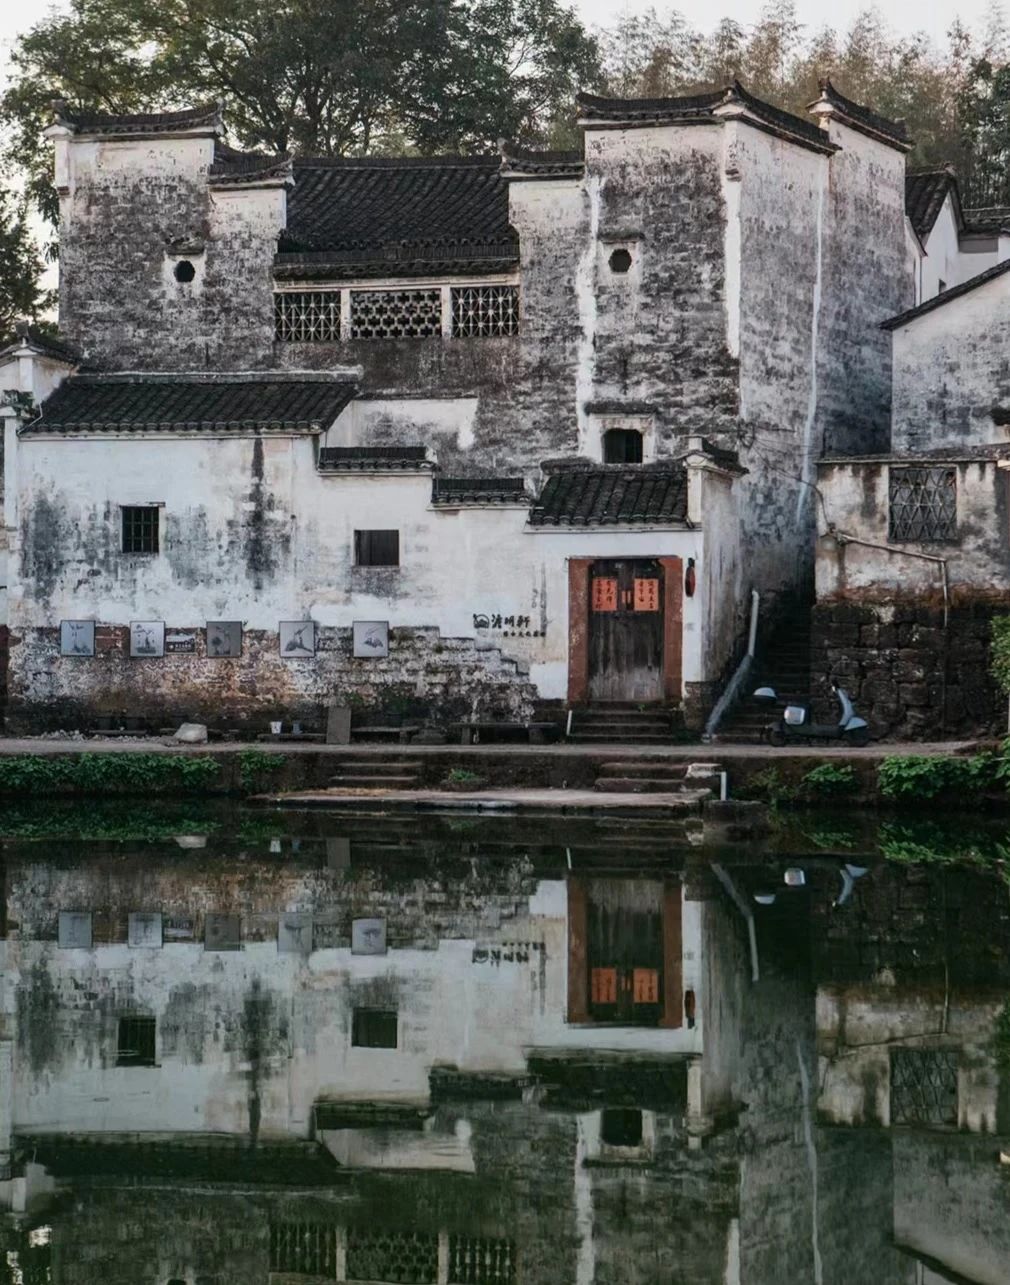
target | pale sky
x=932, y=16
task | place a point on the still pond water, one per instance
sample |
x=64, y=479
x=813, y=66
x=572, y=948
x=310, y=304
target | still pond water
x=242, y=1047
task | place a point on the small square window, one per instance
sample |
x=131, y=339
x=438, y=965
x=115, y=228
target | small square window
x=374, y=1028
x=136, y=1041
x=621, y=1127
x=376, y=548
x=140, y=528
x=622, y=446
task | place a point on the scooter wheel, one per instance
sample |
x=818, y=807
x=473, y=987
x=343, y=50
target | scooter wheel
x=776, y=737
x=858, y=738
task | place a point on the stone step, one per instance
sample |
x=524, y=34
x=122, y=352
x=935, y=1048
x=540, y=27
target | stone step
x=375, y=765
x=645, y=785
x=620, y=712
x=653, y=727
x=616, y=738
x=631, y=768
x=374, y=782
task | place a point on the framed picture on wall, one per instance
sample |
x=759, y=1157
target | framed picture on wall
x=224, y=639
x=297, y=639
x=147, y=639
x=77, y=637
x=371, y=639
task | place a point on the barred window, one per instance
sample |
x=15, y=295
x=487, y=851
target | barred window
x=309, y=317
x=485, y=311
x=136, y=1042
x=477, y=1260
x=140, y=528
x=303, y=1249
x=396, y=314
x=376, y=548
x=374, y=1028
x=923, y=504
x=376, y=1255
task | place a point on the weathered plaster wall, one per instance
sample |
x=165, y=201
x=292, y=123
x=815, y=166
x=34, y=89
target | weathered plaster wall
x=951, y=372
x=252, y=532
x=122, y=206
x=856, y=501
x=248, y=1040
x=865, y=280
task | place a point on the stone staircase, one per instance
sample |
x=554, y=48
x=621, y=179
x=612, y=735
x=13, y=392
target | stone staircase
x=622, y=724
x=655, y=776
x=377, y=773
x=783, y=662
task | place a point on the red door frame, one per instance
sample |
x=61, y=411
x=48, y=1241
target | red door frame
x=578, y=628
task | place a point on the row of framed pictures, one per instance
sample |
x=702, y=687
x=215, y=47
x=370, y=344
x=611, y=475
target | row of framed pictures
x=296, y=639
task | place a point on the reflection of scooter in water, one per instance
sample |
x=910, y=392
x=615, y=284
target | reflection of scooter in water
x=796, y=724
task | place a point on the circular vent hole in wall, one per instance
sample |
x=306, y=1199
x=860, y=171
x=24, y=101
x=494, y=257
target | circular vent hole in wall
x=620, y=261
x=184, y=271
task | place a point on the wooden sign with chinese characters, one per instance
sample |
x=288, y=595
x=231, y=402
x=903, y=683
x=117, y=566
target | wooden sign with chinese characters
x=603, y=985
x=645, y=985
x=605, y=593
x=646, y=595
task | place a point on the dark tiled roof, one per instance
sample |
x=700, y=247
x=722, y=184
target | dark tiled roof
x=988, y=218
x=478, y=490
x=206, y=116
x=925, y=193
x=642, y=111
x=156, y=402
x=233, y=167
x=940, y=300
x=611, y=496
x=41, y=341
x=396, y=210
x=517, y=162
x=864, y=120
x=186, y=1159
x=373, y=459
x=939, y=454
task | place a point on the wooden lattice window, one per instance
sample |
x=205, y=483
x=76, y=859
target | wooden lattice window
x=396, y=314
x=480, y=1260
x=311, y=316
x=406, y=1257
x=485, y=311
x=303, y=1249
x=924, y=1086
x=140, y=528
x=923, y=504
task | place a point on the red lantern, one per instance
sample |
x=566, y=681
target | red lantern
x=690, y=578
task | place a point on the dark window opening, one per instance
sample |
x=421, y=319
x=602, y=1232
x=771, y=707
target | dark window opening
x=620, y=261
x=621, y=1127
x=184, y=271
x=140, y=529
x=622, y=446
x=376, y=548
x=374, y=1028
x=136, y=1041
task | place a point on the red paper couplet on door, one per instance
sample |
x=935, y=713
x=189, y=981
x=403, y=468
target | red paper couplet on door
x=646, y=595
x=605, y=593
x=604, y=985
x=645, y=986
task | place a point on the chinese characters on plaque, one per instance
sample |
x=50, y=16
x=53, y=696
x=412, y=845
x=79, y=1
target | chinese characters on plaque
x=605, y=593
x=646, y=596
x=511, y=626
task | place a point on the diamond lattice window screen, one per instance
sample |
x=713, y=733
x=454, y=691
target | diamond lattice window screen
x=403, y=1258
x=924, y=1086
x=396, y=314
x=309, y=317
x=477, y=1260
x=923, y=504
x=485, y=311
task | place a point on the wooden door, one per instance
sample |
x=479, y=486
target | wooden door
x=624, y=932
x=626, y=631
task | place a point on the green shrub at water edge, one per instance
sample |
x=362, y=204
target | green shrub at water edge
x=28, y=774
x=255, y=765
x=829, y=781
x=911, y=777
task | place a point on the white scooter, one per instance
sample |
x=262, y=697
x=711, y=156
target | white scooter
x=795, y=723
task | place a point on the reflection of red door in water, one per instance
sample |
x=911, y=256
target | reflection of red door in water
x=624, y=952
x=626, y=631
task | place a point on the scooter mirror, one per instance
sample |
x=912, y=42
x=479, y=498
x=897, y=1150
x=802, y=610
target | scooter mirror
x=765, y=694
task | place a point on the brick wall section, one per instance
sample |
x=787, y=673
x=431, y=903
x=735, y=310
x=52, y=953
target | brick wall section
x=425, y=676
x=908, y=675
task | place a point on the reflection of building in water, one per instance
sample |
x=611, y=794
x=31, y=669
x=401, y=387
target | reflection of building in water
x=502, y=1085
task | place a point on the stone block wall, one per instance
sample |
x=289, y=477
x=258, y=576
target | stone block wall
x=909, y=674
x=425, y=678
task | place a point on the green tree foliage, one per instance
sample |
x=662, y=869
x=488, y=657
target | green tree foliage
x=318, y=77
x=20, y=267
